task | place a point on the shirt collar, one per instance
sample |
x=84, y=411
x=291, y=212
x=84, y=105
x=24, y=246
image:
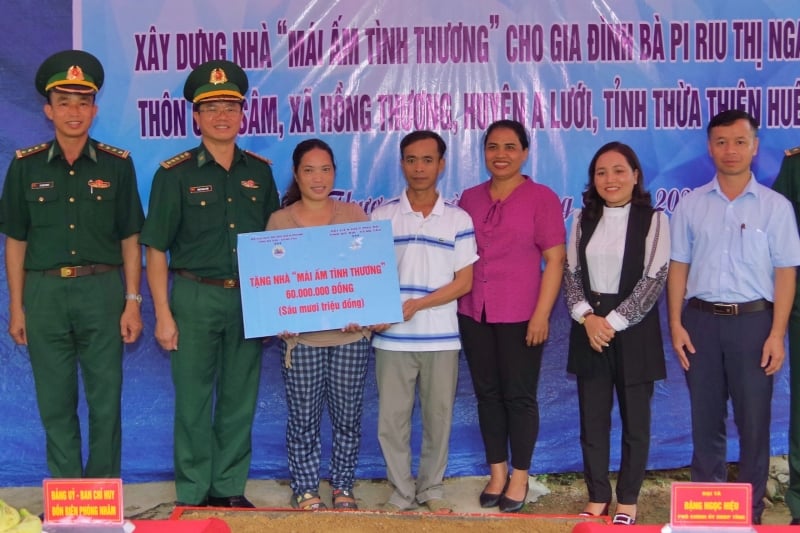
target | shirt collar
x=750, y=188
x=405, y=204
x=617, y=212
x=488, y=183
x=204, y=156
x=56, y=152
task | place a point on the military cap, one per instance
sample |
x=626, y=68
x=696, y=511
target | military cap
x=71, y=71
x=216, y=80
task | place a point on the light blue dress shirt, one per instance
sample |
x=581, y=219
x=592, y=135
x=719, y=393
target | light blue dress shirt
x=733, y=246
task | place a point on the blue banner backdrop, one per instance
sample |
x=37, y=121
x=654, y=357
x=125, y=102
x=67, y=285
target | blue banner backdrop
x=361, y=75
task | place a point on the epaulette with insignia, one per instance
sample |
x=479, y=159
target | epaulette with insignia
x=25, y=152
x=177, y=160
x=259, y=157
x=792, y=151
x=113, y=150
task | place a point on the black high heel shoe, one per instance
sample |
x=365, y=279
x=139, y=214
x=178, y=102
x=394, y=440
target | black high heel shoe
x=488, y=499
x=587, y=514
x=507, y=505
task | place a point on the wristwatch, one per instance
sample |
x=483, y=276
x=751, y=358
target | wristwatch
x=136, y=297
x=583, y=318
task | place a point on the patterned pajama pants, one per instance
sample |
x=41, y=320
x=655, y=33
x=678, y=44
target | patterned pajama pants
x=334, y=375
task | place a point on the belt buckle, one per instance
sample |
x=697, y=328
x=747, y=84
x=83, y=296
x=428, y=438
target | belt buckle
x=726, y=309
x=68, y=272
x=229, y=283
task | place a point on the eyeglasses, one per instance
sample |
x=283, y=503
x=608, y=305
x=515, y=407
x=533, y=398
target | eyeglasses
x=228, y=109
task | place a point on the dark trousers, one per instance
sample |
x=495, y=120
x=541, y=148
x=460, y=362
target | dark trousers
x=596, y=400
x=73, y=324
x=727, y=363
x=215, y=371
x=793, y=493
x=505, y=376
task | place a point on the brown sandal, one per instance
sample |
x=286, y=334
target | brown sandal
x=308, y=501
x=344, y=499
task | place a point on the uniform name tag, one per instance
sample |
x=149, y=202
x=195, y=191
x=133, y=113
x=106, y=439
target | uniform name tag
x=36, y=186
x=200, y=188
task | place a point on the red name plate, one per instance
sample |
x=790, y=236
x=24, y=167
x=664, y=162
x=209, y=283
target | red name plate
x=94, y=499
x=711, y=504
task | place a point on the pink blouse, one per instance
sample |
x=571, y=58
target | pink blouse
x=511, y=236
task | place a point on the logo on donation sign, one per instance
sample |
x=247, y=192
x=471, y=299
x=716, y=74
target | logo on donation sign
x=278, y=251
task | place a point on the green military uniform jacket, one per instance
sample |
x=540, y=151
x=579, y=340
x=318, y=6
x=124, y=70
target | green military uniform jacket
x=788, y=184
x=71, y=215
x=197, y=209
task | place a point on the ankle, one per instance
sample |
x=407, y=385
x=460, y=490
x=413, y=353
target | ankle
x=518, y=478
x=626, y=508
x=596, y=508
x=498, y=471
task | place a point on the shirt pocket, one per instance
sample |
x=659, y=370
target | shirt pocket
x=203, y=207
x=99, y=200
x=755, y=248
x=45, y=207
x=252, y=215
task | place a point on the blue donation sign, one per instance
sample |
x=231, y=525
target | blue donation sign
x=318, y=278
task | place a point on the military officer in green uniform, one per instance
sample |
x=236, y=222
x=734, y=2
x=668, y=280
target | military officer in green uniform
x=71, y=212
x=788, y=184
x=200, y=201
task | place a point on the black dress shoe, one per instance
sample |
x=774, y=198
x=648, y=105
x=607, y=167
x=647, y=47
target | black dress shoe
x=507, y=505
x=230, y=501
x=488, y=499
x=795, y=522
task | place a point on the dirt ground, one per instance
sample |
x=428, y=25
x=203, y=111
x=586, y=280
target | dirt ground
x=371, y=521
x=566, y=498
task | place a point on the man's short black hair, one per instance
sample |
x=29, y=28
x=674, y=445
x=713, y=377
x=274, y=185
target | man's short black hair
x=728, y=117
x=421, y=135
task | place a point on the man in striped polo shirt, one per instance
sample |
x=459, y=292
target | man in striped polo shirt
x=435, y=247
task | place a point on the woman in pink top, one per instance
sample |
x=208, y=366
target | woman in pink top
x=504, y=321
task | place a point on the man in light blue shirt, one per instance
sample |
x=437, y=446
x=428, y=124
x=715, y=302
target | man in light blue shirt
x=735, y=249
